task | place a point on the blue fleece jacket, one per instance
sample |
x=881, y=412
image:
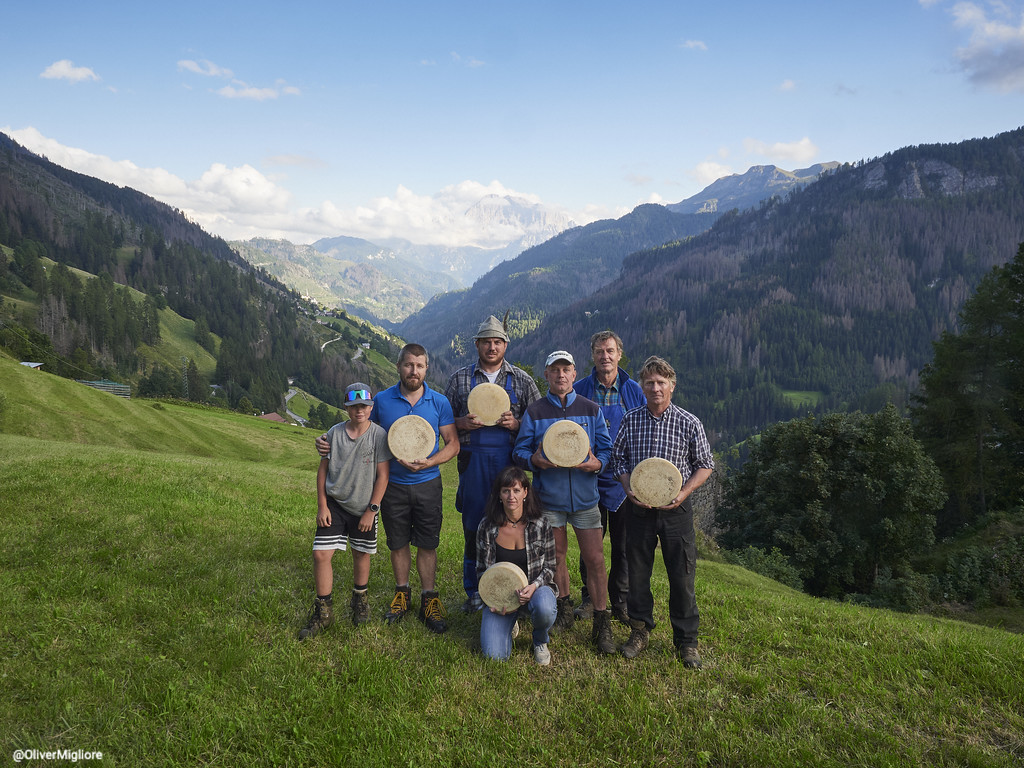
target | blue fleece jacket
x=563, y=489
x=632, y=396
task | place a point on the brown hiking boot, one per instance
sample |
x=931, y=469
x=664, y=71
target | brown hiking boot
x=620, y=614
x=321, y=618
x=585, y=611
x=638, y=640
x=601, y=635
x=360, y=608
x=399, y=606
x=565, y=618
x=690, y=657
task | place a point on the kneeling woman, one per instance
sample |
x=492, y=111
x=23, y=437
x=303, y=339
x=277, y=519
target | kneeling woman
x=513, y=530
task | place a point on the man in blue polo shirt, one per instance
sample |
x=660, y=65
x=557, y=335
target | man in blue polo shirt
x=411, y=507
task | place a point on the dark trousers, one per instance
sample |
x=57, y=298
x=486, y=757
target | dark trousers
x=614, y=524
x=674, y=528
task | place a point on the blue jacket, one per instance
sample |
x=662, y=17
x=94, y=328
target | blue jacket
x=563, y=489
x=632, y=396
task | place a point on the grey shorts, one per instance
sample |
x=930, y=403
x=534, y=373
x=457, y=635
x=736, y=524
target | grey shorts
x=412, y=514
x=580, y=518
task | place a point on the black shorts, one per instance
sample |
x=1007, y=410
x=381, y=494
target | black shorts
x=344, y=530
x=412, y=514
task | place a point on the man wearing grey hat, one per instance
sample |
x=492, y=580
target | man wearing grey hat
x=485, y=450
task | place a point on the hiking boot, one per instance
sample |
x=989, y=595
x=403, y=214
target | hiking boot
x=620, y=614
x=585, y=612
x=360, y=608
x=689, y=656
x=321, y=618
x=601, y=635
x=541, y=654
x=432, y=612
x=565, y=618
x=399, y=606
x=638, y=640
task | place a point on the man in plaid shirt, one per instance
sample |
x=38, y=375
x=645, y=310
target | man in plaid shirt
x=665, y=430
x=485, y=450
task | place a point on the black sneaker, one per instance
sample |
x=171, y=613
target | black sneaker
x=473, y=603
x=320, y=619
x=360, y=608
x=565, y=618
x=399, y=606
x=432, y=612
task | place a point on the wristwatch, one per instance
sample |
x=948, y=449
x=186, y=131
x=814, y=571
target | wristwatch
x=375, y=508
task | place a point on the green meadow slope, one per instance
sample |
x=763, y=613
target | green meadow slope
x=155, y=568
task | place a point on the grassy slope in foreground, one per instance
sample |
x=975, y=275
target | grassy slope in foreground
x=151, y=598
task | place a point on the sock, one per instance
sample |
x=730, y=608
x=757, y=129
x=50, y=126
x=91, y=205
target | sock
x=328, y=598
x=359, y=588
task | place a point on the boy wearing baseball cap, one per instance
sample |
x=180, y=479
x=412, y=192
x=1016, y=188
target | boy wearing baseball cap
x=350, y=484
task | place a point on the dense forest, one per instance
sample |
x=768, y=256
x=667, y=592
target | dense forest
x=94, y=327
x=832, y=296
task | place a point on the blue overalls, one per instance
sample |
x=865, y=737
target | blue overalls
x=488, y=452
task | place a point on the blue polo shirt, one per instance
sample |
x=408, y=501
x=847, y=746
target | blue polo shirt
x=390, y=405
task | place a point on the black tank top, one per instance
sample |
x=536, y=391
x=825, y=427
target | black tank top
x=516, y=556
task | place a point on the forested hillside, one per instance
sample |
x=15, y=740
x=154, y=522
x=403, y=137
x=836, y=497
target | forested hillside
x=832, y=296
x=128, y=239
x=544, y=279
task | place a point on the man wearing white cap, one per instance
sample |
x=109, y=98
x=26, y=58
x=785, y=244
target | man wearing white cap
x=568, y=494
x=485, y=450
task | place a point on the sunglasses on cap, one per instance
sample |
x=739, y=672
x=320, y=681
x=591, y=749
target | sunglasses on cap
x=357, y=394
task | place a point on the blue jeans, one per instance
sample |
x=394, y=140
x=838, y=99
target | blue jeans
x=496, y=630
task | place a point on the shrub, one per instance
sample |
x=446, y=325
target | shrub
x=773, y=565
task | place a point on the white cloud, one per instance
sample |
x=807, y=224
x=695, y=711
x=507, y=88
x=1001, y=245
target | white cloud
x=994, y=54
x=66, y=70
x=694, y=45
x=709, y=171
x=801, y=151
x=244, y=91
x=470, y=62
x=204, y=67
x=237, y=89
x=241, y=202
x=638, y=179
x=787, y=85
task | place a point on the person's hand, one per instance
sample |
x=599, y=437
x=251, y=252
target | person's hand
x=592, y=464
x=526, y=593
x=366, y=521
x=323, y=517
x=540, y=461
x=508, y=421
x=416, y=466
x=467, y=423
x=322, y=446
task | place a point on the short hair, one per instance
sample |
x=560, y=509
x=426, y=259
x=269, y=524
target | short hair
x=494, y=512
x=415, y=350
x=602, y=336
x=656, y=366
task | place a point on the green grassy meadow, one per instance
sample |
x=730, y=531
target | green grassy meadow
x=155, y=568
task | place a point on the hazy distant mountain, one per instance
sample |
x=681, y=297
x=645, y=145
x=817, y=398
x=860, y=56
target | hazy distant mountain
x=748, y=189
x=346, y=272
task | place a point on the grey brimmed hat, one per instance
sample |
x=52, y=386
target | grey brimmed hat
x=358, y=394
x=491, y=328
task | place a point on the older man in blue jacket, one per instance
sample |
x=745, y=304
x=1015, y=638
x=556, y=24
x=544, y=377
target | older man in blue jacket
x=569, y=495
x=615, y=393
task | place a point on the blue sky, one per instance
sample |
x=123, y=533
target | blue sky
x=390, y=119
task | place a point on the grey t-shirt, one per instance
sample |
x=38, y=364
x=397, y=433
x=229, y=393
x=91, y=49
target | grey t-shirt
x=352, y=465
